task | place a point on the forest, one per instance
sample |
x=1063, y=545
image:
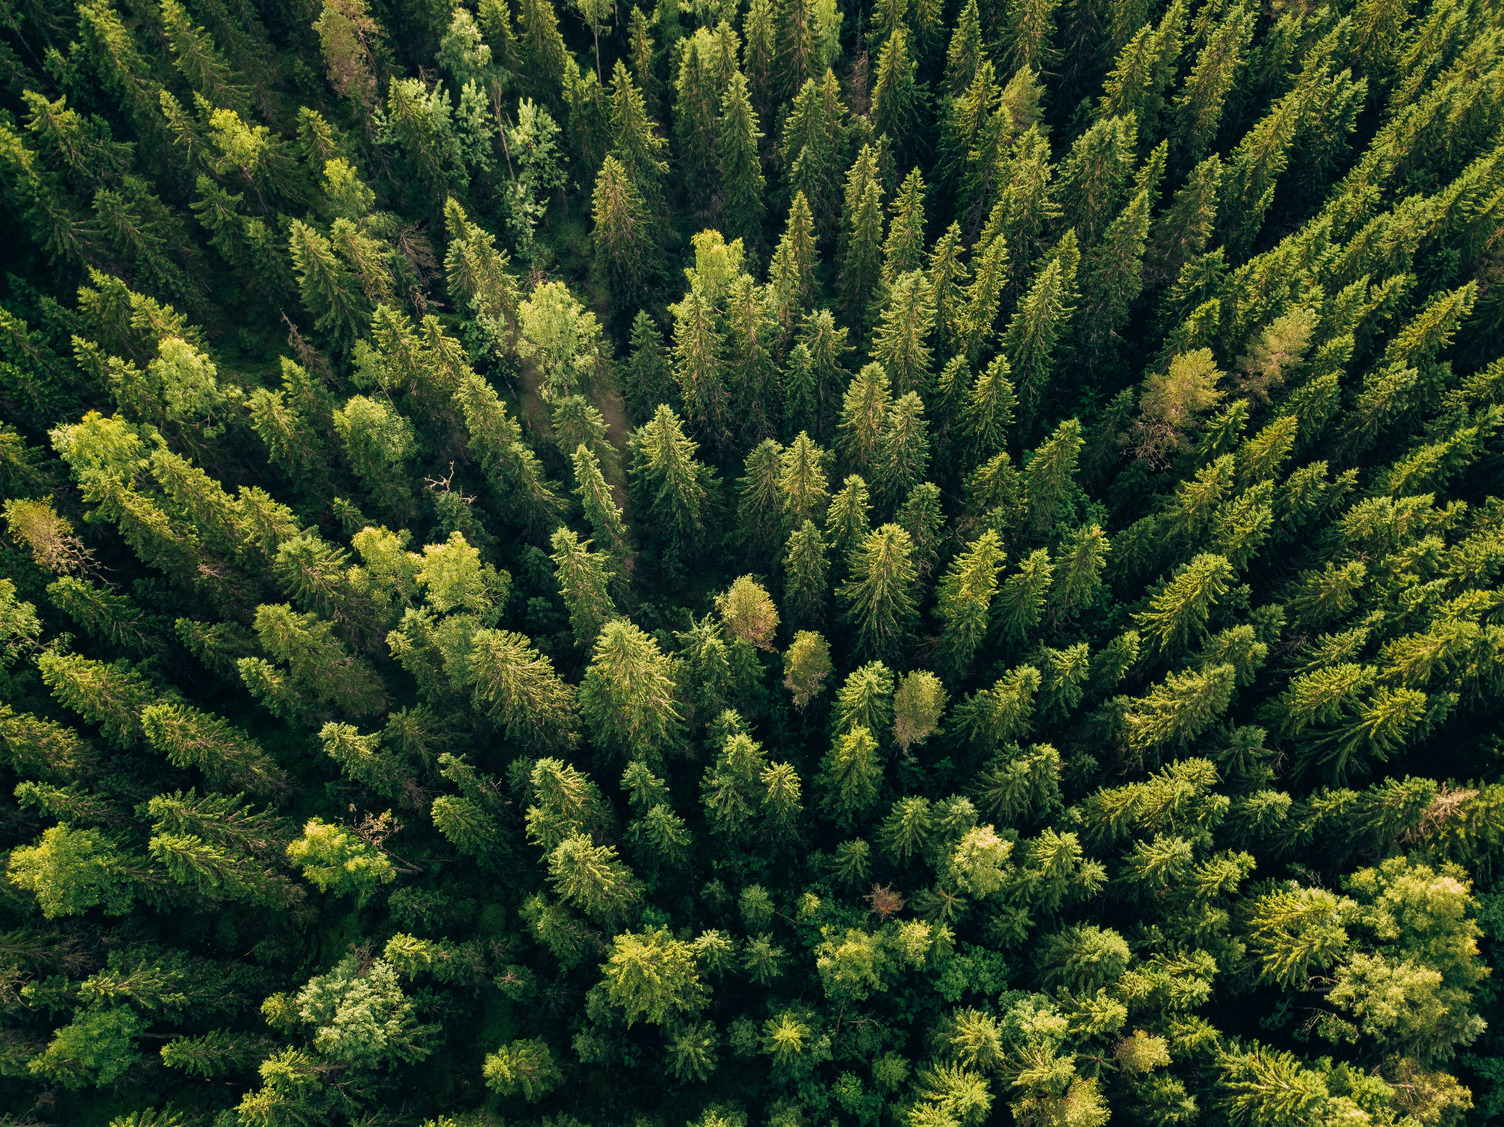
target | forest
x=751, y=563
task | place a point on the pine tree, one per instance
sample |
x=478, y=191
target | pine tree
x=987, y=416
x=976, y=321
x=880, y=596
x=700, y=365
x=627, y=695
x=600, y=508
x=1050, y=492
x=1031, y=30
x=802, y=484
x=948, y=276
x=1144, y=69
x=903, y=453
x=923, y=518
x=850, y=777
x=760, y=510
x=541, y=53
x=1177, y=614
x=848, y=520
x=1182, y=232
x=899, y=102
x=1200, y=103
x=965, y=53
x=329, y=292
x=1020, y=604
x=862, y=237
x=797, y=46
x=583, y=581
x=814, y=148
x=759, y=47
x=634, y=141
x=741, y=176
x=1097, y=175
x=696, y=108
x=1111, y=276
x=228, y=756
x=791, y=274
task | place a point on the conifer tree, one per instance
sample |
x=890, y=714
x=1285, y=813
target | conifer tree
x=904, y=249
x=1031, y=31
x=814, y=147
x=880, y=597
x=621, y=234
x=964, y=603
x=671, y=484
x=802, y=484
x=899, y=103
x=627, y=695
x=903, y=453
x=901, y=343
x=864, y=416
x=1200, y=103
x=583, y=581
x=648, y=375
x=741, y=176
x=634, y=141
x=696, y=108
x=760, y=510
x=791, y=274
x=600, y=508
x=1037, y=325
x=806, y=581
x=862, y=237
x=848, y=521
x=965, y=52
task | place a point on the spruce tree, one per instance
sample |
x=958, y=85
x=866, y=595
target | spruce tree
x=905, y=327
x=1037, y=325
x=904, y=249
x=880, y=598
x=741, y=176
x=584, y=579
x=806, y=582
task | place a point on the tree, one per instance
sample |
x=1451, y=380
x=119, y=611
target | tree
x=806, y=664
x=905, y=326
x=670, y=483
x=864, y=416
x=651, y=976
x=806, y=580
x=850, y=775
x=634, y=143
x=814, y=147
x=524, y=1067
x=964, y=602
x=741, y=176
x=621, y=226
x=899, y=103
x=904, y=250
x=627, y=695
x=903, y=453
x=583, y=581
x=879, y=597
x=1037, y=325
x=862, y=234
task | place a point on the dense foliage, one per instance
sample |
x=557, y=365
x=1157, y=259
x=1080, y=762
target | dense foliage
x=751, y=564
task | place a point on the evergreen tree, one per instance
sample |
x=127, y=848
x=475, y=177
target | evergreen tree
x=670, y=483
x=583, y=581
x=621, y=226
x=1037, y=325
x=806, y=580
x=627, y=695
x=904, y=249
x=901, y=344
x=741, y=176
x=880, y=597
x=964, y=602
